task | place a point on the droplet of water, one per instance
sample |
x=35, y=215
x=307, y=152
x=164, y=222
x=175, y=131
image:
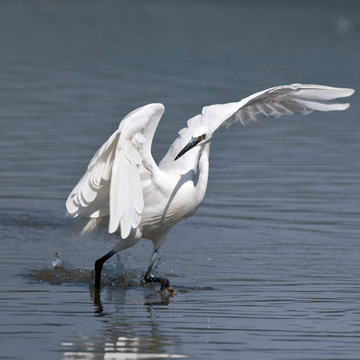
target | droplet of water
x=56, y=261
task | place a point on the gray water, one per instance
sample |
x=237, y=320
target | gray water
x=268, y=268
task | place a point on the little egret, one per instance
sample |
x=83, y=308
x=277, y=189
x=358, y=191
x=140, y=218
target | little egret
x=127, y=191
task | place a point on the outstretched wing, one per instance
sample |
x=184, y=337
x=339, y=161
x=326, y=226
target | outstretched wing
x=112, y=183
x=278, y=101
x=273, y=102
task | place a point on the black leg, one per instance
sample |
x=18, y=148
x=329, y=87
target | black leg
x=149, y=277
x=98, y=267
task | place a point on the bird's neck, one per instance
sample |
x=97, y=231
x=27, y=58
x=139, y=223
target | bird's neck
x=203, y=173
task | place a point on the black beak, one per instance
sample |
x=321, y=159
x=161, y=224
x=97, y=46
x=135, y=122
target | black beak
x=192, y=143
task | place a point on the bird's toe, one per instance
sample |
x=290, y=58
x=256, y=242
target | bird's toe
x=165, y=287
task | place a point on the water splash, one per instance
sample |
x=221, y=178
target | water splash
x=58, y=262
x=59, y=271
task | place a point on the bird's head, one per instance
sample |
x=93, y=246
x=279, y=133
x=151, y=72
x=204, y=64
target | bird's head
x=200, y=137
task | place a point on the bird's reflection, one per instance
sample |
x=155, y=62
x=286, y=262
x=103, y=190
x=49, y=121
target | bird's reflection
x=98, y=307
x=133, y=329
x=151, y=298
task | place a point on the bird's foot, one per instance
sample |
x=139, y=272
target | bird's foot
x=164, y=284
x=150, y=278
x=165, y=287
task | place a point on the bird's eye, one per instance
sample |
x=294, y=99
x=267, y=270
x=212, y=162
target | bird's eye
x=201, y=137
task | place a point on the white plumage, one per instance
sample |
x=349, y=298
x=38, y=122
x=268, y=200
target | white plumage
x=124, y=187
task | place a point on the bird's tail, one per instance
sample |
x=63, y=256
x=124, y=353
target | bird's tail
x=92, y=224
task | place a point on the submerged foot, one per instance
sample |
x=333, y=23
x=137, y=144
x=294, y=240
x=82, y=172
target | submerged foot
x=164, y=283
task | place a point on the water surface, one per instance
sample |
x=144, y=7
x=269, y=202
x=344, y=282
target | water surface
x=268, y=268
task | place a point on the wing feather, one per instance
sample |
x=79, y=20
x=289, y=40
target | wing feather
x=112, y=184
x=88, y=198
x=126, y=196
x=273, y=103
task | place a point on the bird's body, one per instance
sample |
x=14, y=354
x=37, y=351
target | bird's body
x=124, y=188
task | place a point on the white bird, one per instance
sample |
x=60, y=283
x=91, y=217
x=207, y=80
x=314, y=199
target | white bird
x=125, y=189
